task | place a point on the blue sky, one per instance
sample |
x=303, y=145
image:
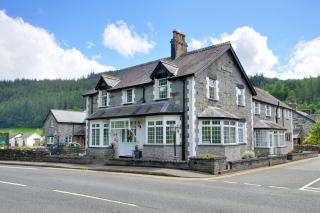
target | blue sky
x=287, y=27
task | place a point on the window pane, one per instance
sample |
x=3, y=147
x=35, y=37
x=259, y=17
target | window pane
x=159, y=135
x=216, y=135
x=206, y=134
x=151, y=135
x=170, y=135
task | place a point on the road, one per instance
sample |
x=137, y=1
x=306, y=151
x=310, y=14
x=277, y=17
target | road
x=290, y=188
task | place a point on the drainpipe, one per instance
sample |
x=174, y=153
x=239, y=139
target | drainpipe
x=143, y=94
x=277, y=112
x=183, y=125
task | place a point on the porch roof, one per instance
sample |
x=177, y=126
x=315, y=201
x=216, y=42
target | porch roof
x=136, y=110
x=215, y=112
x=264, y=124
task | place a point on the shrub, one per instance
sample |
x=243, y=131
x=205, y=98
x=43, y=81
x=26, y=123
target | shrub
x=314, y=136
x=248, y=154
x=208, y=156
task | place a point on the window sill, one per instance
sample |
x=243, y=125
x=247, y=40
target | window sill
x=161, y=99
x=214, y=100
x=161, y=144
x=232, y=144
x=241, y=105
x=128, y=103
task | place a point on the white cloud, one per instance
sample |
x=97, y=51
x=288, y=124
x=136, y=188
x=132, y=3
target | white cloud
x=126, y=41
x=96, y=57
x=256, y=57
x=27, y=51
x=251, y=48
x=304, y=61
x=90, y=44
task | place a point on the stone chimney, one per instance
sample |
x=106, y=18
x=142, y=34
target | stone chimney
x=293, y=104
x=178, y=44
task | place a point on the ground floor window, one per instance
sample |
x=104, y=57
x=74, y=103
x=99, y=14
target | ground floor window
x=222, y=132
x=162, y=131
x=95, y=134
x=105, y=134
x=129, y=135
x=269, y=138
x=50, y=140
x=68, y=139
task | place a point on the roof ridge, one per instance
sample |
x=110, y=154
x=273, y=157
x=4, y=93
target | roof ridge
x=207, y=48
x=110, y=76
x=138, y=65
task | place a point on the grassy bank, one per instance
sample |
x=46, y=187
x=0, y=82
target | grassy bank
x=23, y=130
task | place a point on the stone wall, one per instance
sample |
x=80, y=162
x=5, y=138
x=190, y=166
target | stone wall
x=303, y=155
x=161, y=152
x=22, y=155
x=232, y=152
x=100, y=154
x=68, y=159
x=307, y=148
x=228, y=81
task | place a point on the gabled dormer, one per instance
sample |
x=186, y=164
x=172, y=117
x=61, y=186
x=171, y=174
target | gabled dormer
x=105, y=82
x=160, y=75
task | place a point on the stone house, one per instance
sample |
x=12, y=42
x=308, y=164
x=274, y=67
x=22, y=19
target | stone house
x=61, y=126
x=177, y=107
x=302, y=121
x=272, y=123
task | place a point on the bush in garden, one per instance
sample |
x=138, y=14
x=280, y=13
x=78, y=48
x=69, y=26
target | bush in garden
x=248, y=154
x=314, y=135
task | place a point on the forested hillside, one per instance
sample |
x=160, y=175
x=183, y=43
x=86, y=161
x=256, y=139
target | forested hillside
x=25, y=103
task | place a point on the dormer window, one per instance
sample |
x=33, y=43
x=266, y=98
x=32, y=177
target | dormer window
x=161, y=88
x=51, y=123
x=128, y=96
x=256, y=108
x=103, y=98
x=268, y=110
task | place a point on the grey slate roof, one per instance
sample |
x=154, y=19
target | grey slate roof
x=187, y=64
x=64, y=116
x=154, y=108
x=264, y=124
x=266, y=97
x=306, y=115
x=90, y=92
x=215, y=112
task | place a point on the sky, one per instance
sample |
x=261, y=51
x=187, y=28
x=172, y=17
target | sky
x=73, y=38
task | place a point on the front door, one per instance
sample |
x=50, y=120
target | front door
x=271, y=141
x=127, y=142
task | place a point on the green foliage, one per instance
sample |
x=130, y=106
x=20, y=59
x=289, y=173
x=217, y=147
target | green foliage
x=248, y=154
x=25, y=103
x=23, y=130
x=208, y=156
x=314, y=135
x=305, y=91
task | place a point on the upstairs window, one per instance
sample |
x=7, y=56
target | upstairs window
x=51, y=123
x=163, y=88
x=256, y=108
x=268, y=110
x=103, y=98
x=212, y=89
x=241, y=101
x=279, y=113
x=128, y=96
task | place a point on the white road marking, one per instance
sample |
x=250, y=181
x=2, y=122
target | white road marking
x=232, y=182
x=17, y=167
x=308, y=187
x=96, y=198
x=252, y=184
x=10, y=183
x=278, y=187
x=211, y=180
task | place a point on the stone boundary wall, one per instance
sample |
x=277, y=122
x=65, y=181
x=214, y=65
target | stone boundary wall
x=307, y=148
x=303, y=155
x=41, y=156
x=256, y=162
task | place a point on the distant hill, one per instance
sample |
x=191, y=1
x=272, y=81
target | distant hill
x=25, y=103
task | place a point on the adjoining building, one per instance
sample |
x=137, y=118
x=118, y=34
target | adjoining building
x=302, y=121
x=24, y=139
x=272, y=123
x=174, y=108
x=61, y=126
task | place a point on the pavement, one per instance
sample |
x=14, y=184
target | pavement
x=288, y=188
x=120, y=169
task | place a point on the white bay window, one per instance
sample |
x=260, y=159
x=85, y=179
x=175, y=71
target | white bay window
x=269, y=138
x=222, y=132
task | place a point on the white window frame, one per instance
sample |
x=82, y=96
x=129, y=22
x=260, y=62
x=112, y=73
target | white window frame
x=212, y=83
x=68, y=139
x=103, y=99
x=157, y=88
x=101, y=127
x=257, y=105
x=279, y=112
x=268, y=110
x=242, y=93
x=277, y=139
x=214, y=123
x=50, y=140
x=163, y=127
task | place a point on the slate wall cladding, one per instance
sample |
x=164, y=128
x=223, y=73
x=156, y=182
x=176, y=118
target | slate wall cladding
x=228, y=81
x=100, y=154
